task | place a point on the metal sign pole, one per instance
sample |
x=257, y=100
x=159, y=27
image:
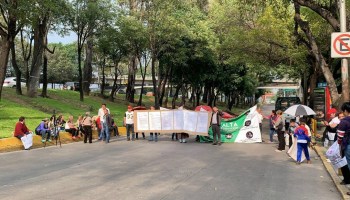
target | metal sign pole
x=344, y=61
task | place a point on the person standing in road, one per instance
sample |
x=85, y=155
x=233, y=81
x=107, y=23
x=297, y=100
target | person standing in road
x=279, y=126
x=129, y=123
x=215, y=125
x=272, y=119
x=155, y=134
x=101, y=113
x=302, y=135
x=106, y=124
x=87, y=124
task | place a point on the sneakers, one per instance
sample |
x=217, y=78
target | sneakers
x=73, y=137
x=49, y=140
x=43, y=141
x=309, y=162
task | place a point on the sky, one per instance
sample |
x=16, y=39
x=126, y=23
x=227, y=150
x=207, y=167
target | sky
x=55, y=38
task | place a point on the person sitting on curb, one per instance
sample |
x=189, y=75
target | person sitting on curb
x=44, y=130
x=21, y=130
x=70, y=128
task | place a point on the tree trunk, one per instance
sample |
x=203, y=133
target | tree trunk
x=176, y=95
x=205, y=93
x=154, y=81
x=103, y=84
x=40, y=33
x=4, y=55
x=80, y=49
x=130, y=89
x=164, y=83
x=114, y=87
x=198, y=95
x=317, y=54
x=88, y=66
x=169, y=89
x=16, y=68
x=44, y=91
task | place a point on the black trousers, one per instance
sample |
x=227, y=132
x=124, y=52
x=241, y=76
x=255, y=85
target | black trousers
x=281, y=140
x=87, y=134
x=216, y=133
x=345, y=171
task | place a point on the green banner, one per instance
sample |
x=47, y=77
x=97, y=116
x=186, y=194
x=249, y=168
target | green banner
x=229, y=129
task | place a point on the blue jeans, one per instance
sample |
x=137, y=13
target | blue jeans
x=155, y=137
x=45, y=135
x=347, y=154
x=272, y=131
x=130, y=128
x=105, y=132
x=301, y=147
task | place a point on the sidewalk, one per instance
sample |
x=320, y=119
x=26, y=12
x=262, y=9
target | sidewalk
x=321, y=151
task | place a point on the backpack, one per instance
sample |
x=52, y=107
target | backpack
x=37, y=131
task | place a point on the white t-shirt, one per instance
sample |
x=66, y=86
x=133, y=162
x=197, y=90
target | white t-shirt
x=308, y=130
x=129, y=117
x=260, y=118
x=335, y=120
x=101, y=113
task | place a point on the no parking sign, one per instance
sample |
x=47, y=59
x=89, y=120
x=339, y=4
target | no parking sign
x=340, y=47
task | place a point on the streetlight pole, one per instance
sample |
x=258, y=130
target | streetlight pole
x=344, y=61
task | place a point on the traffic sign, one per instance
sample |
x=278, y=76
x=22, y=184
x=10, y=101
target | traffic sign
x=340, y=47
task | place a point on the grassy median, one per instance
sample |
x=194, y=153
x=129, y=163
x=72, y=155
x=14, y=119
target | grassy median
x=63, y=102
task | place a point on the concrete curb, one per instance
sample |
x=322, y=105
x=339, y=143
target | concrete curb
x=14, y=144
x=336, y=179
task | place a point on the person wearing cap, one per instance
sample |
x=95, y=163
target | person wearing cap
x=44, y=130
x=87, y=123
x=331, y=131
x=129, y=123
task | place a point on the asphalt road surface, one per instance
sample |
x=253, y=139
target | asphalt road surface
x=162, y=170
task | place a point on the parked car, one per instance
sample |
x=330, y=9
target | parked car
x=282, y=103
x=72, y=86
x=94, y=87
x=11, y=82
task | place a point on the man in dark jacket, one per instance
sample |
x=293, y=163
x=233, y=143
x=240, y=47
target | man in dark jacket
x=215, y=125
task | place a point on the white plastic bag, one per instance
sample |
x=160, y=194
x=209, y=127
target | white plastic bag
x=333, y=154
x=27, y=141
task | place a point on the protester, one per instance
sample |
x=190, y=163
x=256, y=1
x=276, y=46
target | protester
x=53, y=126
x=331, y=130
x=60, y=122
x=260, y=118
x=272, y=119
x=129, y=123
x=344, y=132
x=21, y=130
x=143, y=135
x=44, y=130
x=87, y=124
x=99, y=127
x=215, y=125
x=292, y=126
x=183, y=137
x=80, y=126
x=279, y=126
x=345, y=169
x=303, y=138
x=106, y=124
x=101, y=113
x=155, y=134
x=70, y=128
x=114, y=127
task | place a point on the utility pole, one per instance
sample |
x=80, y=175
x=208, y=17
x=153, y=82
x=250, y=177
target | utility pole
x=344, y=61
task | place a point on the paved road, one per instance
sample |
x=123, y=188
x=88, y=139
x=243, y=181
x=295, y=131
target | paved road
x=163, y=170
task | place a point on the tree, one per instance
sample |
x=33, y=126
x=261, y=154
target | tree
x=85, y=18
